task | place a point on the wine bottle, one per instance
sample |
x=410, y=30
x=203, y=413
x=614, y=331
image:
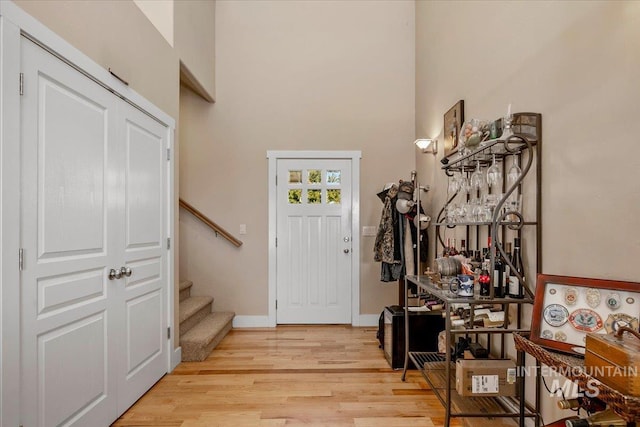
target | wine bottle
x=507, y=271
x=606, y=418
x=485, y=280
x=562, y=422
x=486, y=252
x=463, y=248
x=589, y=404
x=498, y=277
x=515, y=287
x=445, y=250
x=477, y=261
x=569, y=404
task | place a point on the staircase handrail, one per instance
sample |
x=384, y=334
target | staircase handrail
x=209, y=223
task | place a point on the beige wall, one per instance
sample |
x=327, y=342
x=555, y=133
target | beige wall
x=160, y=13
x=577, y=63
x=194, y=42
x=292, y=76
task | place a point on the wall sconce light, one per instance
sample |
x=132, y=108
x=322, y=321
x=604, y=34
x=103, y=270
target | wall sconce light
x=424, y=144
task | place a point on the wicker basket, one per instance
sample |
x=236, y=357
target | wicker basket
x=628, y=407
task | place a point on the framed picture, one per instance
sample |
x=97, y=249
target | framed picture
x=565, y=309
x=453, y=120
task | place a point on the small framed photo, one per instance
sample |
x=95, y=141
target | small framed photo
x=453, y=120
x=566, y=309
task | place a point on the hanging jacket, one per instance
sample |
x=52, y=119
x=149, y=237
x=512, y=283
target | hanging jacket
x=383, y=247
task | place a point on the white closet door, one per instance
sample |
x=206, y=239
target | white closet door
x=95, y=191
x=143, y=204
x=67, y=307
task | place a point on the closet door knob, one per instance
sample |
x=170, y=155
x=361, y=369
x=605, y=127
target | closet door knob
x=114, y=274
x=346, y=251
x=126, y=271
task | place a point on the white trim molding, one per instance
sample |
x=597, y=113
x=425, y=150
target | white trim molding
x=9, y=221
x=354, y=156
x=252, y=322
x=368, y=320
x=176, y=358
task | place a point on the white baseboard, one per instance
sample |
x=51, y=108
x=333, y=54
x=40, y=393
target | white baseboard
x=176, y=358
x=252, y=322
x=365, y=320
x=369, y=319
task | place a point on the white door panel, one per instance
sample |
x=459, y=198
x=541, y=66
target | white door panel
x=144, y=253
x=74, y=400
x=145, y=339
x=61, y=292
x=314, y=241
x=65, y=308
x=71, y=179
x=144, y=182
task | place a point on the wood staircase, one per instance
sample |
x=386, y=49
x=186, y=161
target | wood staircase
x=200, y=329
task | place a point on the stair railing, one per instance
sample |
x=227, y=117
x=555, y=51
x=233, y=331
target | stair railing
x=212, y=225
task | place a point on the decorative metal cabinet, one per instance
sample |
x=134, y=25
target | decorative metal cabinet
x=521, y=143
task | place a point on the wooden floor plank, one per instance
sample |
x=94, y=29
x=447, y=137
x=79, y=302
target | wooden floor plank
x=288, y=376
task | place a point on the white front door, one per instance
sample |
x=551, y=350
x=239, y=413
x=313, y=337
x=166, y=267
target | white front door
x=314, y=208
x=93, y=199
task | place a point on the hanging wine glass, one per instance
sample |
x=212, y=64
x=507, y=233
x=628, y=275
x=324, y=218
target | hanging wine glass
x=494, y=174
x=514, y=172
x=463, y=182
x=453, y=185
x=477, y=181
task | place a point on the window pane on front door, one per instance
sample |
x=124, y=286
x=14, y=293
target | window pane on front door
x=333, y=196
x=295, y=177
x=295, y=196
x=333, y=177
x=314, y=196
x=314, y=176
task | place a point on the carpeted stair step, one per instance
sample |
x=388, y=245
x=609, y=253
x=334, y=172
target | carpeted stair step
x=185, y=289
x=198, y=343
x=192, y=311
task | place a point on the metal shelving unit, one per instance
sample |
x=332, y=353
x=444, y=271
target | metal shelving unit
x=523, y=141
x=439, y=369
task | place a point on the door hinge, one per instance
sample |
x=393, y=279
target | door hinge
x=21, y=83
x=168, y=243
x=169, y=333
x=276, y=242
x=276, y=179
x=168, y=154
x=276, y=304
x=21, y=259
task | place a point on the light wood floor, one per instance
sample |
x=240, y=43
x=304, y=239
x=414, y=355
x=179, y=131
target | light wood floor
x=290, y=375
